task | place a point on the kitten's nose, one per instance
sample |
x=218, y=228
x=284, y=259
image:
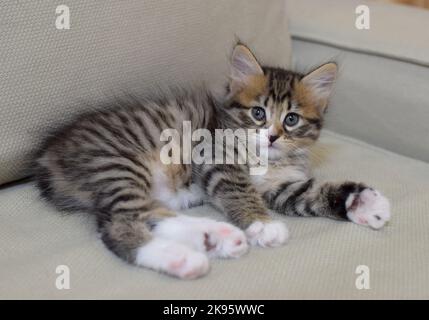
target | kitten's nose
x=272, y=138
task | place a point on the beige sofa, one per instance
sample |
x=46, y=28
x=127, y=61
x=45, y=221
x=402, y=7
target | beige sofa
x=377, y=132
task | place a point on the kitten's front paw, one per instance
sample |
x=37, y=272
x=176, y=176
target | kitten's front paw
x=368, y=208
x=267, y=234
x=225, y=241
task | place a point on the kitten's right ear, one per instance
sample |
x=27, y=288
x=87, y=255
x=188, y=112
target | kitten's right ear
x=244, y=68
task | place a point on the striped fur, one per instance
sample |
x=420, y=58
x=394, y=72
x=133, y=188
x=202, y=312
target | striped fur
x=106, y=163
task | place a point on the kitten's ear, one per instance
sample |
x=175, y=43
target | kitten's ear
x=321, y=81
x=244, y=68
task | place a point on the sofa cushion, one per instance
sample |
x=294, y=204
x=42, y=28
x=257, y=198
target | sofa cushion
x=381, y=93
x=320, y=260
x=395, y=31
x=114, y=46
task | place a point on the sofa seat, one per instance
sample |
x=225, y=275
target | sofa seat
x=319, y=261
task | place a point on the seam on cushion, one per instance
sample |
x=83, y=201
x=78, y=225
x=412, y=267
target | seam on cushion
x=344, y=47
x=363, y=144
x=13, y=183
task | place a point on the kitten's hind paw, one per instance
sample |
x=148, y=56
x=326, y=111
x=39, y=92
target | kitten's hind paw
x=368, y=208
x=173, y=259
x=267, y=234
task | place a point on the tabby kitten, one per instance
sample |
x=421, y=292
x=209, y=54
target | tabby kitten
x=107, y=163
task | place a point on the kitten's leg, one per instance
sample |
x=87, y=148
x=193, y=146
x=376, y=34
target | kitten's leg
x=228, y=188
x=347, y=201
x=128, y=233
x=138, y=229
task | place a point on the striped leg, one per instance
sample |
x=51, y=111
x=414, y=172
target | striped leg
x=345, y=201
x=228, y=188
x=144, y=232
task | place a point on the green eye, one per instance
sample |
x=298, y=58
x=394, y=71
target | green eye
x=291, y=119
x=258, y=113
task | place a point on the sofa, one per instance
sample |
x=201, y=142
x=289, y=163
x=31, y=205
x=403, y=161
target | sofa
x=376, y=131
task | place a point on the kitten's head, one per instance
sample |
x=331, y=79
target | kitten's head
x=290, y=105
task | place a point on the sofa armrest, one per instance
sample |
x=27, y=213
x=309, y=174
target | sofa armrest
x=382, y=91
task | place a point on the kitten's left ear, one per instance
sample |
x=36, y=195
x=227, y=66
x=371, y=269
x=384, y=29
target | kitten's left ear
x=321, y=81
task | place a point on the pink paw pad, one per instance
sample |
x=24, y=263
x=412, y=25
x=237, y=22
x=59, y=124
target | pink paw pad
x=225, y=231
x=177, y=264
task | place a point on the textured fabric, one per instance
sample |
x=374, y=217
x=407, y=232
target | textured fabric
x=381, y=95
x=319, y=261
x=377, y=100
x=114, y=46
x=396, y=31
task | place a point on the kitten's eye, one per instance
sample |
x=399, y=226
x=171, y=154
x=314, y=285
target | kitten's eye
x=291, y=119
x=258, y=113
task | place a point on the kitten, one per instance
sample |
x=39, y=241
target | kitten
x=107, y=163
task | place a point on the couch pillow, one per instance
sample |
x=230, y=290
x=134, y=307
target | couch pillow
x=382, y=92
x=113, y=46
